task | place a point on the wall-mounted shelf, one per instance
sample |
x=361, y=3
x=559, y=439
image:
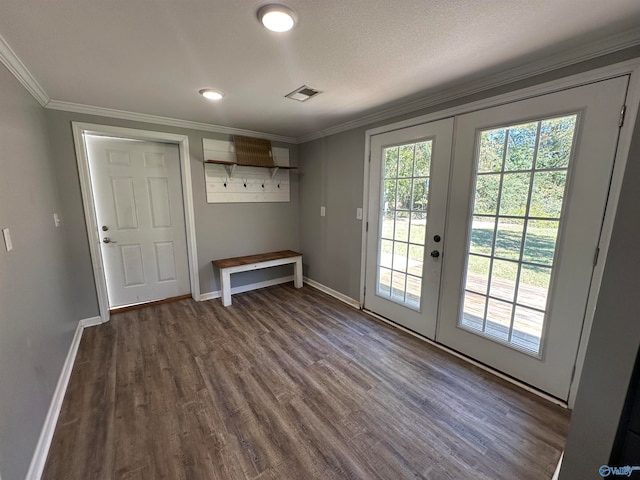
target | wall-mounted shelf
x=231, y=166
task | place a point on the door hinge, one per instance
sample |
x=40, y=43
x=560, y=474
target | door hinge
x=595, y=256
x=364, y=292
x=573, y=373
x=369, y=157
x=623, y=111
x=367, y=227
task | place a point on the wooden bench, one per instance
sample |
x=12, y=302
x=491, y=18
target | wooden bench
x=228, y=266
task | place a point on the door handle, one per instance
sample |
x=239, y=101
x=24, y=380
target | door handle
x=108, y=240
x=435, y=254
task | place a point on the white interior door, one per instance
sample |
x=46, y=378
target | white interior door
x=139, y=209
x=529, y=186
x=408, y=181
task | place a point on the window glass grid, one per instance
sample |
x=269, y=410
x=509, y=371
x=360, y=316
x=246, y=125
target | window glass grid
x=530, y=244
x=403, y=221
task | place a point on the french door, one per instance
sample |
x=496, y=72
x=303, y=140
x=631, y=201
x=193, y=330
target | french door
x=528, y=187
x=409, y=175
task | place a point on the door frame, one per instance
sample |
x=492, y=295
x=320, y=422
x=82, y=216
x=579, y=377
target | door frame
x=88, y=201
x=630, y=67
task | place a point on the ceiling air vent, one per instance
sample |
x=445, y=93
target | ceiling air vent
x=302, y=94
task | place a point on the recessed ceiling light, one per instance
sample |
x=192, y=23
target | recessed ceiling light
x=277, y=18
x=211, y=94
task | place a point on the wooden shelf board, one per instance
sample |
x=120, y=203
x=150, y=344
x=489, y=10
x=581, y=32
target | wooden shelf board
x=223, y=162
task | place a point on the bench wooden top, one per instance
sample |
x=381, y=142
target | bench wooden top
x=249, y=259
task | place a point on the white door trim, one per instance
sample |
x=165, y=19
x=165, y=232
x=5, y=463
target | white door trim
x=630, y=67
x=182, y=141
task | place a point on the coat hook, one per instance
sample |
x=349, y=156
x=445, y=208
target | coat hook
x=225, y=183
x=278, y=184
x=245, y=183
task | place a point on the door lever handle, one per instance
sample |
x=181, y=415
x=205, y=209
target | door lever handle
x=108, y=240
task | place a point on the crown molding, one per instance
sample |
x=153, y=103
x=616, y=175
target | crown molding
x=158, y=120
x=10, y=60
x=611, y=44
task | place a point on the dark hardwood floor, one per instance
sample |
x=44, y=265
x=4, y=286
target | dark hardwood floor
x=289, y=384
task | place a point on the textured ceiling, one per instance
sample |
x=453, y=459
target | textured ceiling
x=152, y=56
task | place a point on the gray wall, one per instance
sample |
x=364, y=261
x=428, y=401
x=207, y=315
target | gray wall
x=331, y=176
x=615, y=337
x=222, y=230
x=332, y=171
x=36, y=314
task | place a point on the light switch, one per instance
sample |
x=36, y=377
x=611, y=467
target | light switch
x=56, y=219
x=7, y=239
x=358, y=213
x=322, y=211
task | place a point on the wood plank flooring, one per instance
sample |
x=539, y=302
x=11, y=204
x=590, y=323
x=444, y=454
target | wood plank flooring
x=289, y=384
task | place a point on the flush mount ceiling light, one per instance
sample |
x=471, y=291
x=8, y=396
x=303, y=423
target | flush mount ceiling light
x=211, y=94
x=277, y=18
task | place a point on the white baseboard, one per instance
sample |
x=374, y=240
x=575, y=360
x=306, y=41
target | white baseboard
x=557, y=472
x=334, y=293
x=247, y=288
x=46, y=435
x=90, y=322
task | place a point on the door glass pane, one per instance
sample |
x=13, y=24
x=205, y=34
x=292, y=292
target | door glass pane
x=482, y=233
x=491, y=150
x=547, y=193
x=418, y=227
x=521, y=147
x=533, y=288
x=389, y=194
x=517, y=212
x=556, y=139
x=486, y=197
x=400, y=256
x=478, y=274
x=503, y=280
x=384, y=281
x=402, y=226
x=474, y=306
x=514, y=194
x=404, y=211
x=540, y=242
x=509, y=238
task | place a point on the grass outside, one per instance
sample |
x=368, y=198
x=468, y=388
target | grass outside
x=539, y=247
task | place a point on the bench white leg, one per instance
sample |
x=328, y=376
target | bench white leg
x=297, y=279
x=225, y=280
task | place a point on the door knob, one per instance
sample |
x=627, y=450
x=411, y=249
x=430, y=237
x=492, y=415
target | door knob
x=435, y=254
x=104, y=228
x=108, y=240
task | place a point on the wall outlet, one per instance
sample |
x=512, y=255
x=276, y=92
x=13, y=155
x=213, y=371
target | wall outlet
x=358, y=213
x=7, y=239
x=323, y=211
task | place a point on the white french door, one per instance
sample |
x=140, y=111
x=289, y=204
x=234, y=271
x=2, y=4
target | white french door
x=528, y=187
x=409, y=175
x=138, y=201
